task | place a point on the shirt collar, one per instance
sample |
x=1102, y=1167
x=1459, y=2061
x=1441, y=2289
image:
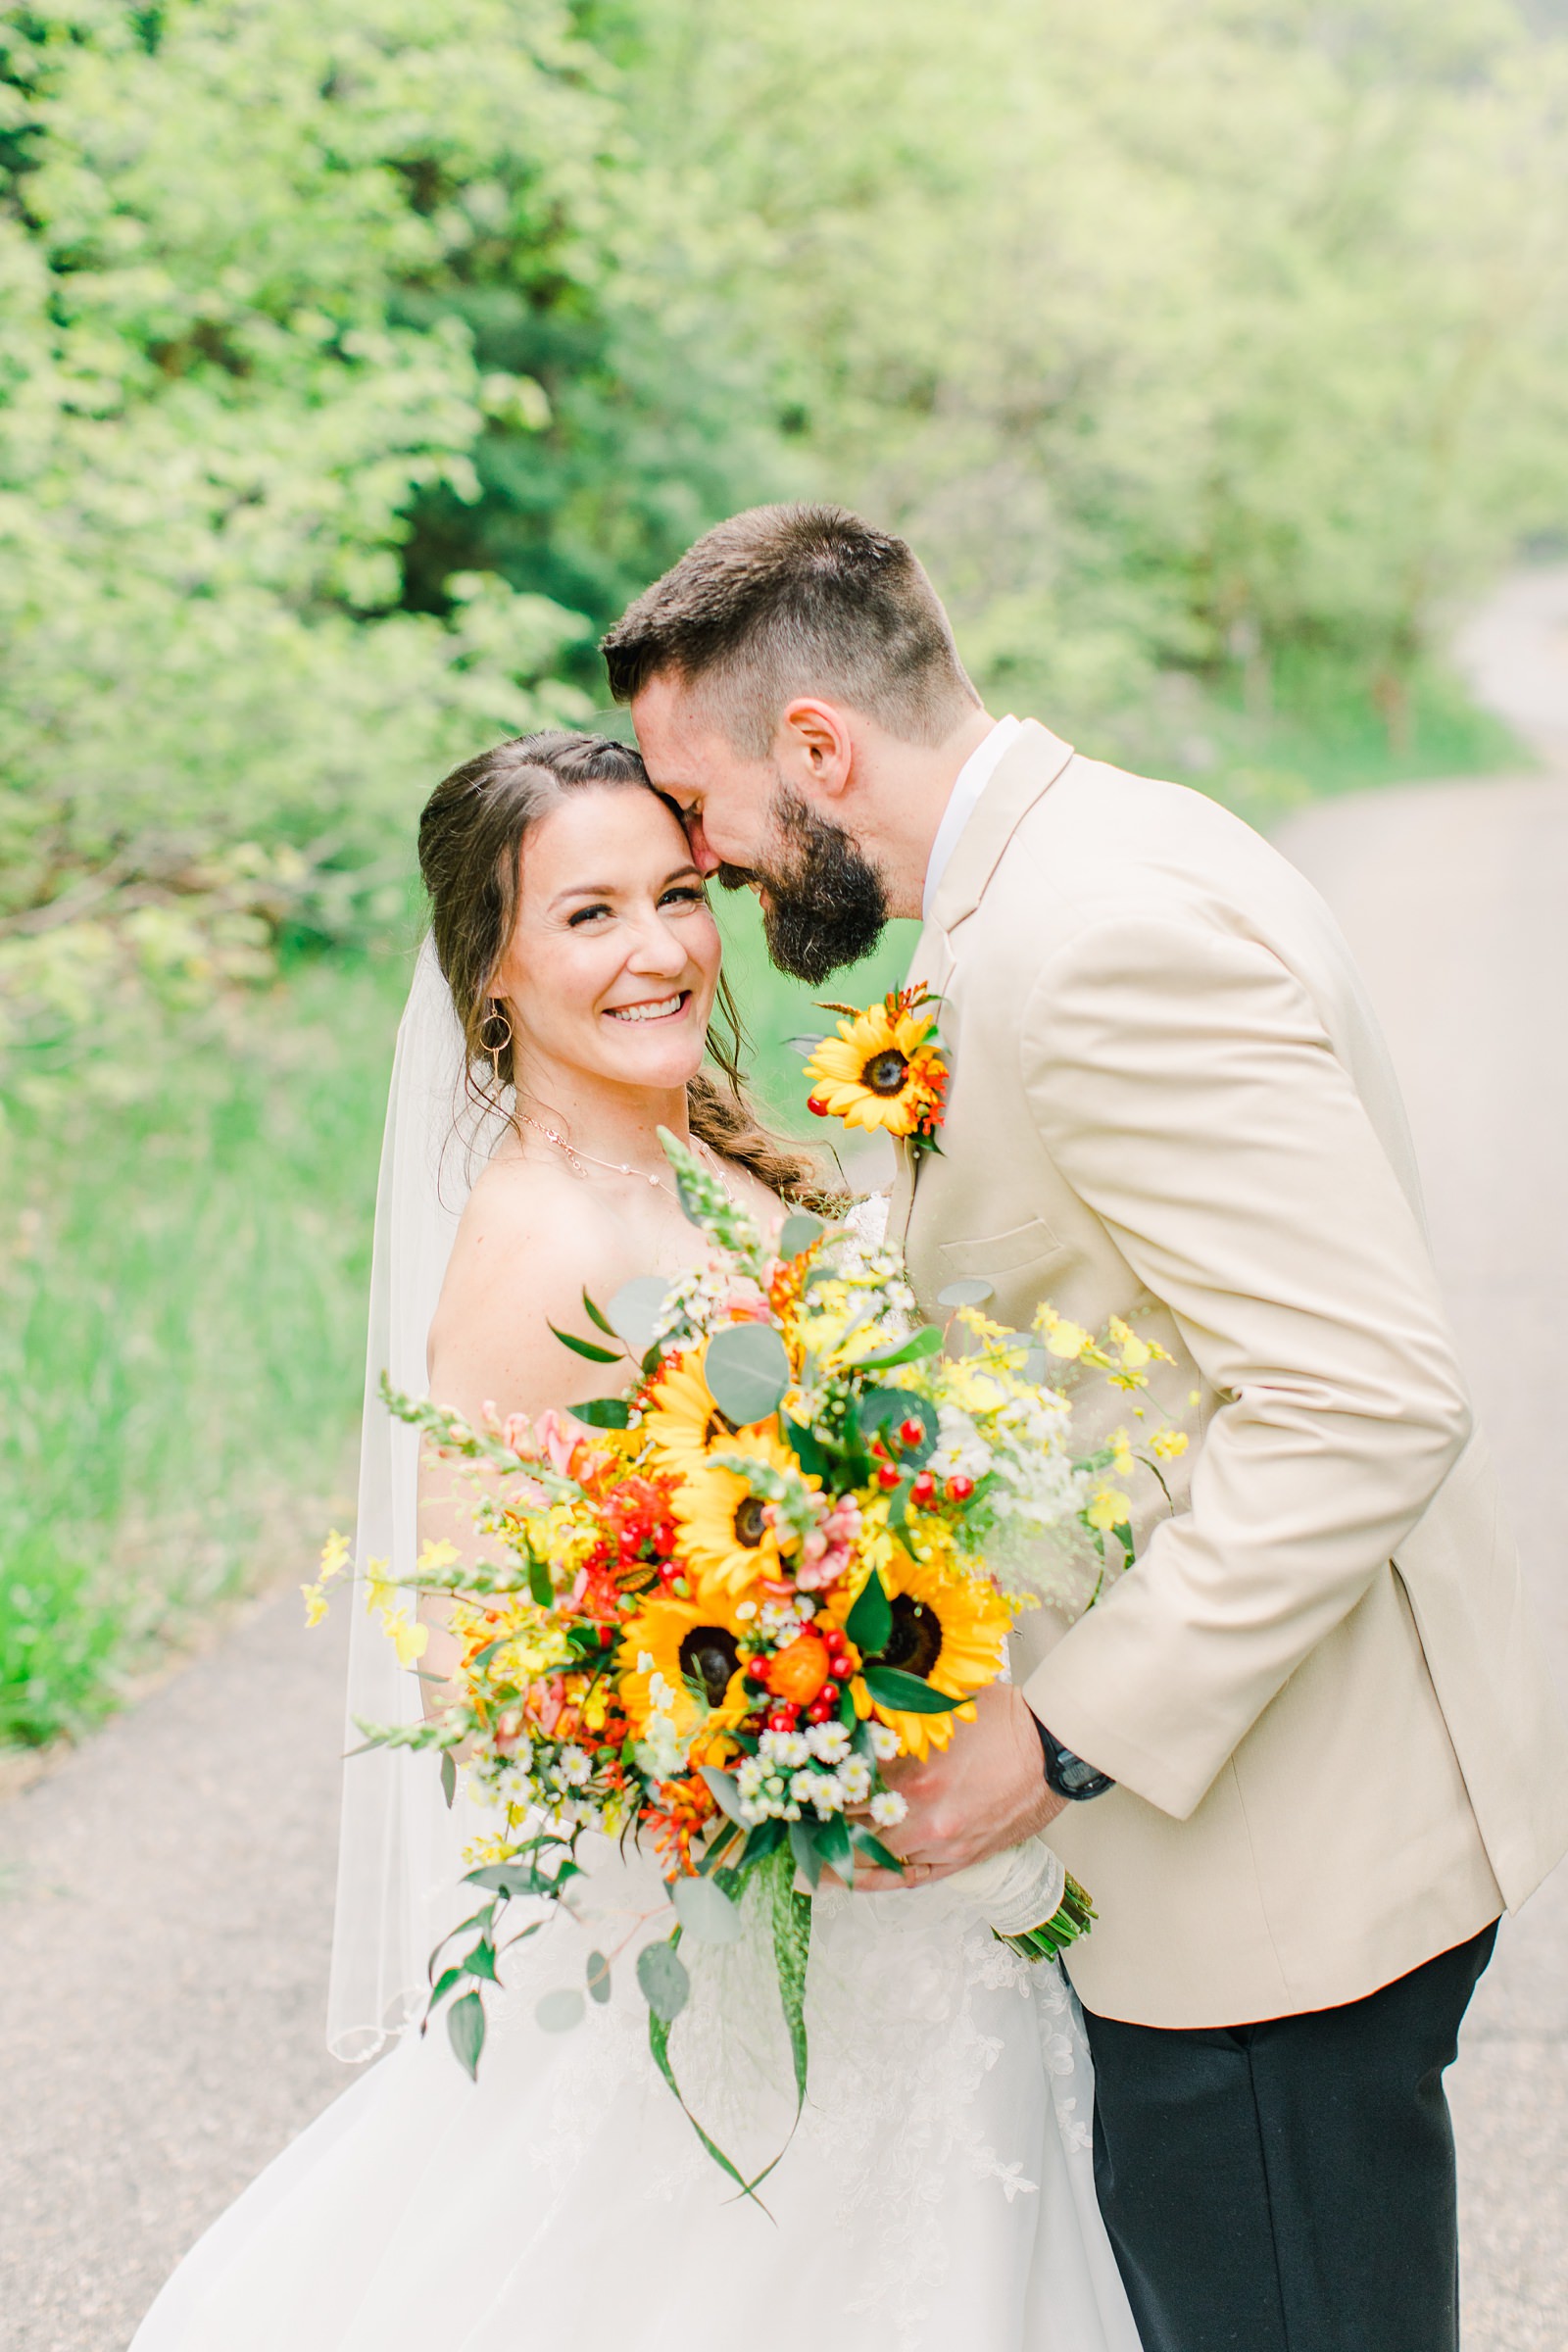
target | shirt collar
x=968, y=786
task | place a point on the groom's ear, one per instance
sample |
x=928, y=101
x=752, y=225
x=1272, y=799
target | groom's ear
x=814, y=747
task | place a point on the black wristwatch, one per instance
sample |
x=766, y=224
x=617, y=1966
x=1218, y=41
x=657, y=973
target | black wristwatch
x=1068, y=1775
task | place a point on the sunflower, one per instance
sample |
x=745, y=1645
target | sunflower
x=687, y=1641
x=724, y=1529
x=948, y=1628
x=883, y=1070
x=681, y=1417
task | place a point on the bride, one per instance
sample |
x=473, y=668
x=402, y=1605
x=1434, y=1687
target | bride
x=939, y=2187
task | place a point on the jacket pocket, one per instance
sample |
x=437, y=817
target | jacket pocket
x=1002, y=1252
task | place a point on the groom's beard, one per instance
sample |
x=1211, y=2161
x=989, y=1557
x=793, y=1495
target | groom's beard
x=826, y=905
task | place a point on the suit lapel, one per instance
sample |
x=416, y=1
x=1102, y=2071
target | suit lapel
x=1027, y=770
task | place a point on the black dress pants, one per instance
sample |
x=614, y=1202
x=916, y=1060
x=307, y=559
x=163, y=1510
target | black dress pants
x=1288, y=2186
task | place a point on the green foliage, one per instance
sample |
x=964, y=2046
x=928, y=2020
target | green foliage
x=357, y=363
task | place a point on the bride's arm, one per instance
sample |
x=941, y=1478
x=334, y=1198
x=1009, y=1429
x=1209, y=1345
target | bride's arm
x=522, y=1259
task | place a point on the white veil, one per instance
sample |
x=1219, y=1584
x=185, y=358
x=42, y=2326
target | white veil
x=400, y=1855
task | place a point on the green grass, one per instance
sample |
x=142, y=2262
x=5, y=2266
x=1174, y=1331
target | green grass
x=183, y=1284
x=181, y=1338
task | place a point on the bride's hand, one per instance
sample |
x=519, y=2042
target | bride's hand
x=985, y=1791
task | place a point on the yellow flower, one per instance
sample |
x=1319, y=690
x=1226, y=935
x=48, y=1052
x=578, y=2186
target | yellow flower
x=1135, y=1353
x=1169, y=1444
x=1108, y=1509
x=725, y=1531
x=314, y=1604
x=674, y=1639
x=387, y=1602
x=1122, y=1452
x=948, y=1628
x=335, y=1553
x=881, y=1070
x=682, y=1419
x=1069, y=1340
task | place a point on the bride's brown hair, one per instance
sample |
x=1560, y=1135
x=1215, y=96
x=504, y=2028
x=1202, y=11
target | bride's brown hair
x=470, y=840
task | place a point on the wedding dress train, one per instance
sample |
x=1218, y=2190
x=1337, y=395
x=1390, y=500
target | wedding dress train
x=938, y=2189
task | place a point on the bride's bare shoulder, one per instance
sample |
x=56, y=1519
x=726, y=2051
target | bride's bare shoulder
x=527, y=1243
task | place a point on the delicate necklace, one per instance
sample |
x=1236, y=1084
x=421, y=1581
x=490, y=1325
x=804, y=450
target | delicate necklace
x=575, y=1156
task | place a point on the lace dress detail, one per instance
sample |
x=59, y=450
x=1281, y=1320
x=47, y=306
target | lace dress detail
x=937, y=2190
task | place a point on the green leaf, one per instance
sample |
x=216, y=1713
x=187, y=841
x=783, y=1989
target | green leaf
x=724, y=1792
x=706, y=1912
x=540, y=1588
x=449, y=1777
x=585, y=1348
x=803, y=1442
x=635, y=1309
x=869, y=1624
x=792, y=1950
x=598, y=1978
x=597, y=1318
x=872, y=1848
x=443, y=1985
x=800, y=1230
x=803, y=1845
x=466, y=2025
x=748, y=1371
x=558, y=2011
x=603, y=1412
x=833, y=1843
x=481, y=1961
x=972, y=1291
x=661, y=1973
x=927, y=1341
x=765, y=1839
x=891, y=1687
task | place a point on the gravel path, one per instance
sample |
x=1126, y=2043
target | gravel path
x=166, y=1894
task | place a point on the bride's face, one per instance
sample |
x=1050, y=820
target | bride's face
x=614, y=959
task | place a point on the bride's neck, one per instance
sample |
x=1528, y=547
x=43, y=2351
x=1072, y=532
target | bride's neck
x=617, y=1123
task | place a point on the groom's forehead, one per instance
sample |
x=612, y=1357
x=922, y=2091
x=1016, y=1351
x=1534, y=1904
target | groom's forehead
x=682, y=747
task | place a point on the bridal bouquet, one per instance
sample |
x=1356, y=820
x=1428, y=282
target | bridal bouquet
x=721, y=1603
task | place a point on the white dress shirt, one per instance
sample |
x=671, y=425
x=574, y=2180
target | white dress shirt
x=968, y=786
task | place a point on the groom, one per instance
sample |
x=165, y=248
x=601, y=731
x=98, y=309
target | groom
x=1304, y=1754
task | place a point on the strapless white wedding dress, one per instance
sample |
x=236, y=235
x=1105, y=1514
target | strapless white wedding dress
x=939, y=2190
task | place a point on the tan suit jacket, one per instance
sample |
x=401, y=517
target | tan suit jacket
x=1336, y=1748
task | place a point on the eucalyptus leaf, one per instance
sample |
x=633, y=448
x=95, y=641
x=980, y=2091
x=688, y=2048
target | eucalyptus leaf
x=598, y=1978
x=724, y=1792
x=596, y=1316
x=481, y=1961
x=706, y=1912
x=661, y=1973
x=748, y=1371
x=449, y=1777
x=804, y=1047
x=972, y=1290
x=800, y=1231
x=558, y=2011
x=891, y=1687
x=636, y=1309
x=466, y=2025
x=872, y=1846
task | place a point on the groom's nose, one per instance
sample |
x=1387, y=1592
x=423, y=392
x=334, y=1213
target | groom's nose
x=704, y=857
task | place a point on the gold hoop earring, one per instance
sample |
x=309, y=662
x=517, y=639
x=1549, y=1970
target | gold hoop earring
x=493, y=1049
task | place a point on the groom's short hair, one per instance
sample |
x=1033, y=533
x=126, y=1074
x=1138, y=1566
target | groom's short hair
x=783, y=601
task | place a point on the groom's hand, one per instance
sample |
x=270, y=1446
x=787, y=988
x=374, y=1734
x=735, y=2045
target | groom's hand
x=984, y=1792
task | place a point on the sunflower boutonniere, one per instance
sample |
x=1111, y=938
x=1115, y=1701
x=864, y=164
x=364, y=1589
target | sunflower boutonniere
x=885, y=1068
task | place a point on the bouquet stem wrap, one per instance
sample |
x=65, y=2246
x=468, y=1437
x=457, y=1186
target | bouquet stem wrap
x=1028, y=1899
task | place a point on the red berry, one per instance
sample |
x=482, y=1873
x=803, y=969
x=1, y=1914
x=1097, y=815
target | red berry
x=833, y=1636
x=960, y=1489
x=782, y=1719
x=923, y=1490
x=911, y=1432
x=841, y=1669
x=816, y=1106
x=757, y=1669
x=820, y=1709
x=887, y=1476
